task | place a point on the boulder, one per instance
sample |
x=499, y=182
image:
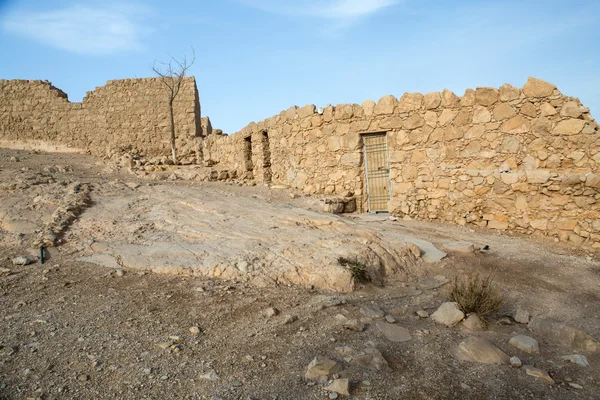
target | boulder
x=525, y=343
x=479, y=350
x=448, y=314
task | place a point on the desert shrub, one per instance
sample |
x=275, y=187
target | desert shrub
x=358, y=269
x=476, y=294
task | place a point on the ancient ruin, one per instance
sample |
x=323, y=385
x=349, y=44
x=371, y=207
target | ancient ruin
x=524, y=160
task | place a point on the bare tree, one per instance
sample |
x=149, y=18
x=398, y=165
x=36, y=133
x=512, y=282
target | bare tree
x=171, y=74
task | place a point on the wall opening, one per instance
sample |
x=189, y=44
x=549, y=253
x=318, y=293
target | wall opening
x=377, y=172
x=266, y=153
x=248, y=153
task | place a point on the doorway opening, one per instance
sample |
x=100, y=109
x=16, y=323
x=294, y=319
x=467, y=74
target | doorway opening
x=266, y=149
x=377, y=171
x=248, y=153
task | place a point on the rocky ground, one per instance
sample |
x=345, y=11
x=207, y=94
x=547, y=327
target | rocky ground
x=74, y=329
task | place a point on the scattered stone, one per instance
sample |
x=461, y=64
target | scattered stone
x=423, y=314
x=504, y=321
x=288, y=319
x=4, y=271
x=538, y=373
x=147, y=371
x=564, y=335
x=369, y=358
x=333, y=395
x=340, y=386
x=22, y=260
x=333, y=302
x=525, y=343
x=434, y=283
x=270, y=312
x=210, y=375
x=473, y=323
x=479, y=350
x=521, y=315
x=575, y=386
x=354, y=325
x=390, y=319
x=119, y=273
x=515, y=362
x=372, y=311
x=448, y=314
x=460, y=247
x=321, y=368
x=194, y=330
x=394, y=333
x=83, y=378
x=576, y=359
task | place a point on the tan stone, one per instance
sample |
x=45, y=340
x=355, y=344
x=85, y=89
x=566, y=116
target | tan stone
x=343, y=111
x=539, y=224
x=468, y=98
x=593, y=181
x=353, y=159
x=509, y=92
x=538, y=176
x=446, y=116
x=510, y=144
x=462, y=118
x=475, y=132
x=547, y=110
x=391, y=122
x=415, y=121
x=569, y=127
x=541, y=126
x=306, y=111
x=479, y=350
x=528, y=109
x=432, y=100
x=409, y=102
x=497, y=225
x=567, y=225
x=570, y=109
x=517, y=124
x=368, y=107
x=503, y=111
x=538, y=88
x=385, y=105
x=486, y=96
x=431, y=118
x=481, y=115
x=452, y=133
x=418, y=156
x=449, y=99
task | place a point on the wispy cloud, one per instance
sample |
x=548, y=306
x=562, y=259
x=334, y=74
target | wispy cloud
x=81, y=29
x=347, y=10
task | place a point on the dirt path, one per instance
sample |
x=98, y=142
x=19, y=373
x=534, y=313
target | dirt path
x=74, y=330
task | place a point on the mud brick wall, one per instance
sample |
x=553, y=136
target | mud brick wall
x=525, y=160
x=128, y=113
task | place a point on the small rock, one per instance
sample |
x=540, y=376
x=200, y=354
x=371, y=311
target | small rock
x=394, y=333
x=372, y=311
x=237, y=384
x=473, y=323
x=423, y=314
x=354, y=325
x=22, y=260
x=504, y=321
x=147, y=371
x=525, y=343
x=390, y=319
x=521, y=316
x=370, y=358
x=83, y=378
x=120, y=272
x=515, y=362
x=270, y=312
x=321, y=368
x=538, y=373
x=164, y=378
x=340, y=386
x=210, y=375
x=333, y=395
x=575, y=386
x=479, y=350
x=448, y=314
x=460, y=247
x=576, y=359
x=194, y=330
x=288, y=319
x=4, y=271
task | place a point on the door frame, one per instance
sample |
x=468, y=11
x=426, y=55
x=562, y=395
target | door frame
x=365, y=136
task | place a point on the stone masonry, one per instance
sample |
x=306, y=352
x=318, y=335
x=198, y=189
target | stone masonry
x=525, y=160
x=123, y=114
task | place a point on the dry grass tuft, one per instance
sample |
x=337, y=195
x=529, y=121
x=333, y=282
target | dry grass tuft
x=476, y=294
x=357, y=268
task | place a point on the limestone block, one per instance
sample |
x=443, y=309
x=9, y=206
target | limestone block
x=468, y=98
x=418, y=156
x=528, y=109
x=353, y=159
x=449, y=99
x=508, y=93
x=570, y=109
x=517, y=124
x=385, y=105
x=306, y=111
x=481, y=115
x=446, y=116
x=569, y=127
x=510, y=144
x=368, y=107
x=547, y=110
x=486, y=96
x=538, y=88
x=343, y=111
x=593, y=180
x=503, y=111
x=432, y=100
x=475, y=132
x=415, y=121
x=463, y=118
x=538, y=176
x=431, y=118
x=409, y=102
x=541, y=127
x=452, y=133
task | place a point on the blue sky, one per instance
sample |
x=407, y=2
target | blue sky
x=258, y=57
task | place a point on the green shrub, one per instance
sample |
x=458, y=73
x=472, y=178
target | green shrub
x=358, y=269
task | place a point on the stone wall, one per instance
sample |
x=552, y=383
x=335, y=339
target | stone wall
x=129, y=113
x=525, y=160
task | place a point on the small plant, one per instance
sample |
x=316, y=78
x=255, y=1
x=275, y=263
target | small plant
x=357, y=268
x=476, y=294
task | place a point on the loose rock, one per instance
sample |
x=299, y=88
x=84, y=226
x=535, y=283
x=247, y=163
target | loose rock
x=448, y=314
x=394, y=333
x=372, y=311
x=473, y=323
x=479, y=350
x=576, y=359
x=321, y=368
x=22, y=260
x=354, y=325
x=521, y=316
x=525, y=343
x=340, y=386
x=515, y=362
x=538, y=373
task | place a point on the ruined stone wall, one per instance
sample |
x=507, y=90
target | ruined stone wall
x=525, y=160
x=129, y=113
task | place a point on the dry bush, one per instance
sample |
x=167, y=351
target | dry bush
x=357, y=268
x=476, y=294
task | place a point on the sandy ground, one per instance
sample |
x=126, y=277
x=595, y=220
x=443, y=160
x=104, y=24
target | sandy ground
x=75, y=330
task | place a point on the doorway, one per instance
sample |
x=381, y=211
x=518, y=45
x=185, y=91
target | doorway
x=377, y=171
x=266, y=149
x=248, y=153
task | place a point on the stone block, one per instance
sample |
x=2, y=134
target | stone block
x=410, y=102
x=508, y=92
x=385, y=105
x=432, y=100
x=486, y=96
x=538, y=88
x=569, y=127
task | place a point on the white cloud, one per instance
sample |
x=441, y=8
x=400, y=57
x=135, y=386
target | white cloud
x=331, y=9
x=81, y=29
